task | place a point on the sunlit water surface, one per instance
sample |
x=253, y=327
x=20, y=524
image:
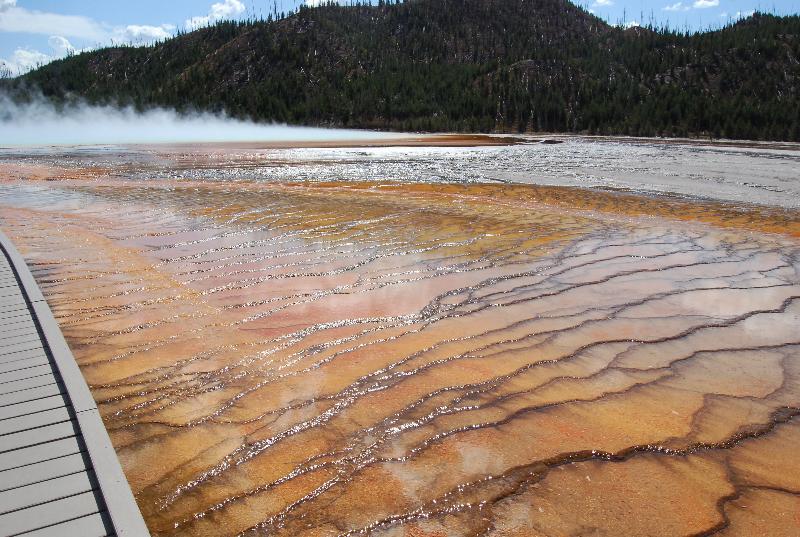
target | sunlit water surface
x=423, y=359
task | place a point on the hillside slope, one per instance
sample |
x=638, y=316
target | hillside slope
x=471, y=65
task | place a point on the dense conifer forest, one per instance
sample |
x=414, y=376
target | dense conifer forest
x=458, y=65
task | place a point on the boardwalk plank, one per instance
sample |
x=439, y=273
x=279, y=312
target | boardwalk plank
x=14, y=339
x=31, y=394
x=96, y=525
x=22, y=374
x=13, y=365
x=30, y=407
x=49, y=513
x=25, y=384
x=11, y=303
x=46, y=491
x=13, y=312
x=21, y=355
x=41, y=452
x=11, y=293
x=25, y=326
x=33, y=421
x=16, y=441
x=42, y=471
x=5, y=350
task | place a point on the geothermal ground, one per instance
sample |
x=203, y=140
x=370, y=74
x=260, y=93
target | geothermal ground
x=403, y=341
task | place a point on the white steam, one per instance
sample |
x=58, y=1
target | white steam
x=40, y=123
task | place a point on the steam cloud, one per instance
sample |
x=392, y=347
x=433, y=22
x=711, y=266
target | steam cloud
x=40, y=123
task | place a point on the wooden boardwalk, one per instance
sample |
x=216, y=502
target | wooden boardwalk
x=59, y=474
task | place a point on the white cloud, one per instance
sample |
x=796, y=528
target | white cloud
x=24, y=59
x=18, y=19
x=603, y=3
x=677, y=6
x=744, y=14
x=60, y=45
x=703, y=4
x=136, y=33
x=631, y=24
x=227, y=9
x=59, y=27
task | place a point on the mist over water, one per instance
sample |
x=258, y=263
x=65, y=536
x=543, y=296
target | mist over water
x=40, y=123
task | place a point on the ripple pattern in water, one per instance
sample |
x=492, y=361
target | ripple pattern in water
x=428, y=360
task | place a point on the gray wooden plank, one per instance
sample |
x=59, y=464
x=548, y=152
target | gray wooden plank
x=31, y=394
x=13, y=365
x=40, y=452
x=17, y=347
x=25, y=384
x=11, y=344
x=46, y=491
x=19, y=317
x=8, y=313
x=6, y=340
x=10, y=317
x=42, y=471
x=22, y=374
x=8, y=286
x=25, y=333
x=96, y=525
x=22, y=355
x=8, y=302
x=16, y=356
x=22, y=439
x=23, y=326
x=19, y=330
x=11, y=292
x=15, y=291
x=29, y=407
x=48, y=514
x=33, y=421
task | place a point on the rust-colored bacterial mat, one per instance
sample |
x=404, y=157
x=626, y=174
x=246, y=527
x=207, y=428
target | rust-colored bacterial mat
x=429, y=360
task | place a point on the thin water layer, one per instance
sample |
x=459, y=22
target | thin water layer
x=395, y=359
x=741, y=173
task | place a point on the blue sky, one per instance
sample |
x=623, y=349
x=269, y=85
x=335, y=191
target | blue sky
x=36, y=31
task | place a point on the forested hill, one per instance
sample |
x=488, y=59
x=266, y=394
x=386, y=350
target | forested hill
x=460, y=65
